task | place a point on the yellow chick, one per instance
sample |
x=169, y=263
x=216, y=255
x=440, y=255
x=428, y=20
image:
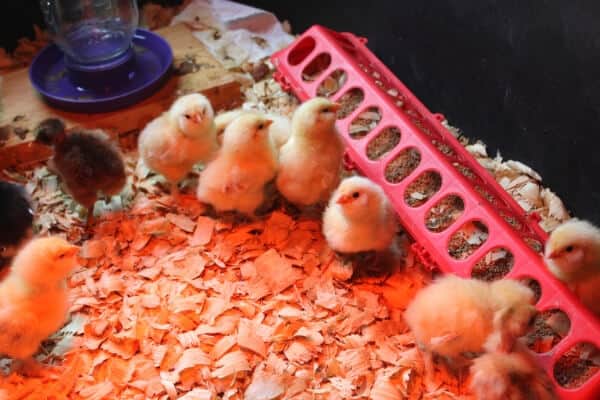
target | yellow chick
x=178, y=139
x=359, y=217
x=279, y=130
x=454, y=317
x=572, y=254
x=514, y=376
x=310, y=161
x=33, y=297
x=236, y=178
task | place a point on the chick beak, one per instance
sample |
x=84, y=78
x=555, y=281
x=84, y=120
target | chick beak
x=72, y=250
x=344, y=199
x=335, y=106
x=552, y=255
x=268, y=122
x=198, y=117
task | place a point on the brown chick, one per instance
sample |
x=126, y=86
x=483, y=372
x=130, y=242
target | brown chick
x=33, y=297
x=15, y=212
x=453, y=317
x=512, y=376
x=86, y=161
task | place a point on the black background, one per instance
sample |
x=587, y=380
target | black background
x=522, y=75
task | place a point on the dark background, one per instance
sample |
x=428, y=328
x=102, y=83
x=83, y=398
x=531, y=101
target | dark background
x=522, y=75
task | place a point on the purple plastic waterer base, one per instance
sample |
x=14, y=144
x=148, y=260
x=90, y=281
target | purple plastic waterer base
x=102, y=76
x=111, y=86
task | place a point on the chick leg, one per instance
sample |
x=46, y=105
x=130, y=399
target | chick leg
x=175, y=189
x=29, y=367
x=428, y=369
x=90, y=220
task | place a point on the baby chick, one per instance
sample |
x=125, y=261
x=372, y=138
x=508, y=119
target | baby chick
x=279, y=130
x=310, y=161
x=86, y=161
x=514, y=376
x=33, y=297
x=572, y=254
x=454, y=316
x=236, y=178
x=16, y=213
x=176, y=140
x=359, y=217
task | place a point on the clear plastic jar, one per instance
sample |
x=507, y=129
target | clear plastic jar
x=91, y=31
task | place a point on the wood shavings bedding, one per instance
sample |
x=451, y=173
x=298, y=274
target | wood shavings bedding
x=139, y=339
x=173, y=304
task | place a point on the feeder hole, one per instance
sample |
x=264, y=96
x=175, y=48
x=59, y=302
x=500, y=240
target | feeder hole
x=444, y=213
x=402, y=165
x=494, y=265
x=422, y=188
x=350, y=102
x=364, y=123
x=332, y=83
x=316, y=67
x=467, y=239
x=534, y=244
x=301, y=50
x=383, y=143
x=577, y=365
x=535, y=286
x=549, y=328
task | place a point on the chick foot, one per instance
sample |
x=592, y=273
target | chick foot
x=29, y=367
x=90, y=220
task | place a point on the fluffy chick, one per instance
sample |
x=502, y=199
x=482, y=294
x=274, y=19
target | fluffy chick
x=509, y=376
x=359, y=217
x=33, y=297
x=279, y=130
x=454, y=317
x=86, y=161
x=236, y=178
x=178, y=139
x=310, y=161
x=572, y=254
x=15, y=212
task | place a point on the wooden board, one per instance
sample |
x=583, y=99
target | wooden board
x=194, y=70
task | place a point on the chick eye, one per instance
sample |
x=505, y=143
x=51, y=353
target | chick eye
x=569, y=249
x=260, y=126
x=325, y=110
x=63, y=255
x=187, y=116
x=355, y=195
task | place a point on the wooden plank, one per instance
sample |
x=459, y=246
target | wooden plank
x=195, y=70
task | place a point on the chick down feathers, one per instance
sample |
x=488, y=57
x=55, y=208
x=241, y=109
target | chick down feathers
x=513, y=376
x=359, y=217
x=178, y=139
x=33, y=297
x=280, y=130
x=15, y=212
x=454, y=316
x=311, y=159
x=572, y=254
x=86, y=161
x=235, y=180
